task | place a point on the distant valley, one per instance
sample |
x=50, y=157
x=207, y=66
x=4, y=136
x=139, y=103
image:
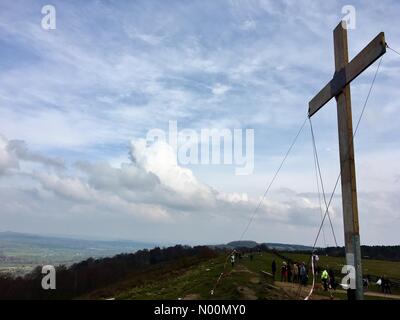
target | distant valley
x=20, y=252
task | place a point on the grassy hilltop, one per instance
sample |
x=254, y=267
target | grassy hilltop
x=244, y=281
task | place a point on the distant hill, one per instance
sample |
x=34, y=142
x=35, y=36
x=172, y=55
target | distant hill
x=242, y=244
x=288, y=247
x=253, y=244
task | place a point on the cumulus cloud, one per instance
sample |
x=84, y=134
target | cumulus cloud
x=160, y=159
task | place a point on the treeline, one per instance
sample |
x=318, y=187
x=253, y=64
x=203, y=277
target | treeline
x=389, y=253
x=91, y=274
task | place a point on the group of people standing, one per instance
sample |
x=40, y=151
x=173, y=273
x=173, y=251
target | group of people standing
x=237, y=255
x=296, y=272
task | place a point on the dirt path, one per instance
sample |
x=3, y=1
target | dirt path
x=302, y=291
x=382, y=295
x=299, y=292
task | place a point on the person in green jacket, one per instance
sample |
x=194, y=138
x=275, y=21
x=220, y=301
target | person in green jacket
x=324, y=278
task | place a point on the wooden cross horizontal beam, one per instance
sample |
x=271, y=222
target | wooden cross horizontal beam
x=373, y=51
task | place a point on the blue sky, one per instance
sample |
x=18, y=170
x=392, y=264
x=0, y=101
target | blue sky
x=75, y=102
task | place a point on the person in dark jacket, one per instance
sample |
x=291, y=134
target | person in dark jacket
x=332, y=281
x=303, y=274
x=386, y=285
x=273, y=269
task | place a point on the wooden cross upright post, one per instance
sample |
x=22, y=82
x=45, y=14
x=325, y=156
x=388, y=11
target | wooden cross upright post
x=339, y=87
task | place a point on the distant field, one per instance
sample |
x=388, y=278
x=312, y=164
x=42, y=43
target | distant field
x=373, y=267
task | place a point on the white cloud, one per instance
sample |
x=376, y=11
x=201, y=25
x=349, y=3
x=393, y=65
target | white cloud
x=249, y=25
x=68, y=187
x=220, y=89
x=160, y=159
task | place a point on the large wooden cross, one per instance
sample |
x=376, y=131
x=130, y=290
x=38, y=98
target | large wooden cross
x=339, y=87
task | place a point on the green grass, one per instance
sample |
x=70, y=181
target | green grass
x=244, y=281
x=197, y=280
